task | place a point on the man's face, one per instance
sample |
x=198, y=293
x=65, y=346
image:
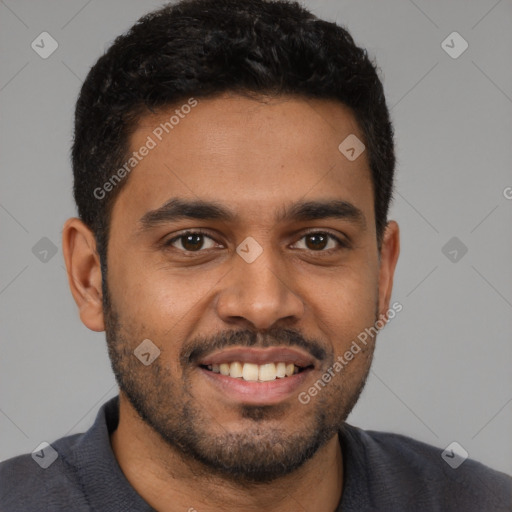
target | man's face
x=260, y=286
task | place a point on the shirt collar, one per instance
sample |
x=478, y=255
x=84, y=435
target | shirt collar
x=101, y=477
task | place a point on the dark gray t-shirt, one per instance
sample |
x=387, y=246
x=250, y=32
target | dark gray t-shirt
x=382, y=472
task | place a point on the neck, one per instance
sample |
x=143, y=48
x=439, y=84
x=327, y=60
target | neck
x=167, y=481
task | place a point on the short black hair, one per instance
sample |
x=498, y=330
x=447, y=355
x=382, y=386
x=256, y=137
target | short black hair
x=203, y=48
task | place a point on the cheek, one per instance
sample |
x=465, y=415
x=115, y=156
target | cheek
x=159, y=303
x=163, y=298
x=143, y=294
x=347, y=305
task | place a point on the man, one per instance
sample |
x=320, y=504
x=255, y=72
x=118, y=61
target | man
x=233, y=165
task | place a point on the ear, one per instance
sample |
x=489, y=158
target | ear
x=84, y=272
x=389, y=252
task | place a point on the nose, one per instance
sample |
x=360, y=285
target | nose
x=260, y=293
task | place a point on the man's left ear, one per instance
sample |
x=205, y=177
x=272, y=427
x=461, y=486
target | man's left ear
x=84, y=272
x=390, y=249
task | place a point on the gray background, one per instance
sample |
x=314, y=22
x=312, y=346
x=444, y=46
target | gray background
x=442, y=366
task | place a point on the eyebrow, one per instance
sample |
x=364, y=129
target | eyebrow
x=178, y=209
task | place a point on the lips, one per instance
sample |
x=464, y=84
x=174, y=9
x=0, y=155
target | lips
x=259, y=356
x=256, y=375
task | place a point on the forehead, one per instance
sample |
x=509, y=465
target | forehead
x=251, y=155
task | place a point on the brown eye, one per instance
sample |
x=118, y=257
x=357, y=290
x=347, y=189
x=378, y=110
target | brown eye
x=192, y=241
x=316, y=241
x=320, y=241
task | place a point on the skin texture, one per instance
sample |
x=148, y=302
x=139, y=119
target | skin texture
x=180, y=441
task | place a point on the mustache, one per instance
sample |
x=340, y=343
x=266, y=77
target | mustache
x=196, y=349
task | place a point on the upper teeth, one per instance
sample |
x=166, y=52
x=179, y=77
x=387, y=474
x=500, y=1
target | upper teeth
x=254, y=372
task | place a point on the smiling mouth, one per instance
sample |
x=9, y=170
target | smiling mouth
x=252, y=372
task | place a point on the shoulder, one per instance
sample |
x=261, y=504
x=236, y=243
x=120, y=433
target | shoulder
x=42, y=481
x=442, y=479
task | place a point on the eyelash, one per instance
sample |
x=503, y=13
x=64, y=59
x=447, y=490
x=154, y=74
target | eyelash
x=342, y=244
